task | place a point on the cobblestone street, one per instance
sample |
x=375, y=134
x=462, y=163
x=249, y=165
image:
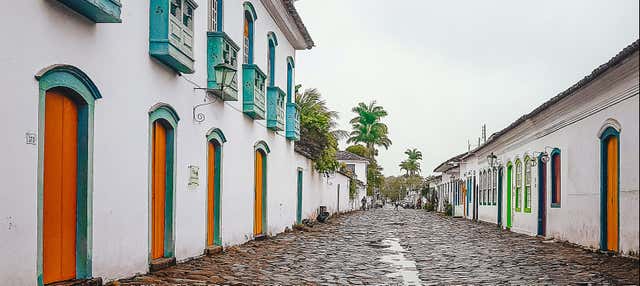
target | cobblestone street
x=388, y=247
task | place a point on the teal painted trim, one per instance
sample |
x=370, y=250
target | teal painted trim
x=98, y=11
x=220, y=19
x=253, y=91
x=608, y=133
x=275, y=108
x=80, y=88
x=554, y=177
x=271, y=36
x=293, y=122
x=248, y=7
x=291, y=62
x=251, y=16
x=216, y=134
x=272, y=63
x=221, y=49
x=299, y=204
x=169, y=118
x=162, y=45
x=261, y=145
x=217, y=235
x=290, y=67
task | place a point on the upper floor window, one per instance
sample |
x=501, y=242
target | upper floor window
x=272, y=43
x=518, y=184
x=290, y=67
x=215, y=15
x=247, y=39
x=555, y=178
x=351, y=168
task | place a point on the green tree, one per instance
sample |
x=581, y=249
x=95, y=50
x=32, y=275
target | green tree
x=412, y=165
x=318, y=130
x=368, y=128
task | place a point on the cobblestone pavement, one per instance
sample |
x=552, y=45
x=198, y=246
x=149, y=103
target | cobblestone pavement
x=388, y=247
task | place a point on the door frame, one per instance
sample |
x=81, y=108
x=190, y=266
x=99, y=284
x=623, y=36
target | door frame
x=261, y=146
x=475, y=199
x=500, y=171
x=542, y=196
x=299, y=196
x=165, y=113
x=509, y=206
x=215, y=136
x=607, y=133
x=83, y=91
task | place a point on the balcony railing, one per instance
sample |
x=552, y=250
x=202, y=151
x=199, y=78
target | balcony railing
x=221, y=49
x=253, y=95
x=98, y=11
x=171, y=34
x=275, y=108
x=293, y=122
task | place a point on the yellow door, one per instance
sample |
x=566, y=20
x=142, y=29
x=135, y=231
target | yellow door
x=612, y=194
x=159, y=172
x=257, y=217
x=59, y=188
x=211, y=163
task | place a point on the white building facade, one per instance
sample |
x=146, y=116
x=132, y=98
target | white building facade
x=148, y=153
x=569, y=169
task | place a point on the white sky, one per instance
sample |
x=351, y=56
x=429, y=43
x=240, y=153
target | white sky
x=443, y=68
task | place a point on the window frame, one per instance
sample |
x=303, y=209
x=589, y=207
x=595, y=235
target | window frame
x=556, y=178
x=518, y=185
x=527, y=184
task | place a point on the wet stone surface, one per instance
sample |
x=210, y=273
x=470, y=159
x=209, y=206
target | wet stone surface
x=404, y=247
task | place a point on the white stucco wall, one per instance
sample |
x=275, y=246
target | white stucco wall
x=115, y=57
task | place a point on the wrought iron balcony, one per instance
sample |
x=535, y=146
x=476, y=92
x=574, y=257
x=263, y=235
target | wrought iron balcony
x=221, y=49
x=293, y=122
x=275, y=108
x=99, y=11
x=253, y=94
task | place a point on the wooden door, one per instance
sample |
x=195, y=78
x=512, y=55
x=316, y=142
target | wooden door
x=612, y=194
x=60, y=188
x=299, y=205
x=542, y=198
x=508, y=182
x=159, y=187
x=259, y=173
x=211, y=193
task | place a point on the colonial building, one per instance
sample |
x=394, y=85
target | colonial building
x=143, y=132
x=568, y=169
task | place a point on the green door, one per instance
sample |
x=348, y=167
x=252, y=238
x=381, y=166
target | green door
x=508, y=182
x=299, y=208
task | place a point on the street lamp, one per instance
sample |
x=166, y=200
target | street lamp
x=225, y=73
x=492, y=158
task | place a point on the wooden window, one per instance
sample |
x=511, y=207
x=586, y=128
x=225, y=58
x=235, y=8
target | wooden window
x=518, y=184
x=555, y=178
x=527, y=185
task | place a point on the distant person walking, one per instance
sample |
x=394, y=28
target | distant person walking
x=396, y=205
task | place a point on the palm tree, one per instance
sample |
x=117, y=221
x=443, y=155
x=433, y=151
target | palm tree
x=368, y=127
x=414, y=154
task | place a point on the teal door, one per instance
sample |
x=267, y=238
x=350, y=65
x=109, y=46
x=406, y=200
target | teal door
x=299, y=208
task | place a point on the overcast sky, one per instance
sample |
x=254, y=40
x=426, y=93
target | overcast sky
x=443, y=68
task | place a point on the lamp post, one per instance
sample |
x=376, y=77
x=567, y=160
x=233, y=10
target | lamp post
x=225, y=73
x=492, y=158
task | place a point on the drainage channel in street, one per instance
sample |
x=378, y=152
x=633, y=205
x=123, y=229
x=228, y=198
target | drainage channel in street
x=403, y=267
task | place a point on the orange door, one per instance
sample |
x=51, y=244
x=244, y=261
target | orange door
x=59, y=188
x=158, y=189
x=257, y=217
x=612, y=194
x=211, y=192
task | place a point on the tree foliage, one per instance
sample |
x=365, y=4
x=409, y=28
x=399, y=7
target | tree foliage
x=318, y=130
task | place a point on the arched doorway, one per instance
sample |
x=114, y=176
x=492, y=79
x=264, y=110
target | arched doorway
x=215, y=139
x=609, y=189
x=260, y=190
x=164, y=122
x=66, y=103
x=508, y=182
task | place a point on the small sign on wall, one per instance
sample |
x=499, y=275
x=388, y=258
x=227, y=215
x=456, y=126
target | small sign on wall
x=31, y=138
x=194, y=177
